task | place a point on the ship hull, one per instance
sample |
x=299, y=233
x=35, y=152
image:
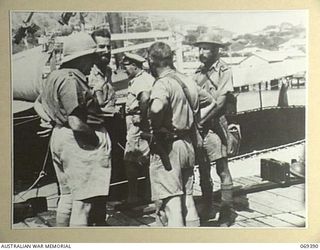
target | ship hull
x=260, y=129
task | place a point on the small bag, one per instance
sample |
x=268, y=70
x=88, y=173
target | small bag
x=234, y=140
x=231, y=103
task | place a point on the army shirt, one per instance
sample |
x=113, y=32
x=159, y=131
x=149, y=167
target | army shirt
x=63, y=92
x=178, y=113
x=140, y=83
x=217, y=80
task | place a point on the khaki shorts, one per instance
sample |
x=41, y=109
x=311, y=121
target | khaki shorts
x=213, y=147
x=137, y=150
x=82, y=173
x=178, y=180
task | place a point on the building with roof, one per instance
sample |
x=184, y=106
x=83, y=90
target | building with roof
x=297, y=43
x=235, y=60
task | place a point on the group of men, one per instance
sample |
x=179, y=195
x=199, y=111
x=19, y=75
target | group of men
x=173, y=123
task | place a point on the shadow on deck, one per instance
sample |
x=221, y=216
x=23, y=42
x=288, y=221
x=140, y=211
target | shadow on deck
x=258, y=203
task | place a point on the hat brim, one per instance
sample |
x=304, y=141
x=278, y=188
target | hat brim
x=81, y=53
x=210, y=44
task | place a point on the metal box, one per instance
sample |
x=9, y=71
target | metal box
x=275, y=171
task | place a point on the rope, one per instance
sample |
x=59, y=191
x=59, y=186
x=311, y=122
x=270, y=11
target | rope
x=26, y=121
x=42, y=173
x=25, y=117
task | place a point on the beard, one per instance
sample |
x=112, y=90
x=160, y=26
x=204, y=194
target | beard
x=153, y=70
x=203, y=59
x=103, y=62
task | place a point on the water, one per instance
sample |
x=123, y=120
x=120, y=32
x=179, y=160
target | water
x=251, y=100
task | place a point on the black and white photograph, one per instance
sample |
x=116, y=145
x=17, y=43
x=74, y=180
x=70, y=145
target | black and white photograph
x=155, y=119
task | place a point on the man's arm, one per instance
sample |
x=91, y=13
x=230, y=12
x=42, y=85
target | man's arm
x=143, y=98
x=45, y=121
x=82, y=129
x=40, y=111
x=212, y=111
x=156, y=114
x=76, y=114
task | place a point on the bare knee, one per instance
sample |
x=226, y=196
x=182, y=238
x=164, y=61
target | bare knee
x=80, y=213
x=65, y=204
x=223, y=171
x=173, y=210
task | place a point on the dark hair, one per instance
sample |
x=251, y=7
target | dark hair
x=161, y=55
x=101, y=32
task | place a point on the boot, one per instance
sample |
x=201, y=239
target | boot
x=227, y=214
x=207, y=201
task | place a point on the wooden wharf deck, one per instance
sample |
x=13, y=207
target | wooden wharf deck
x=258, y=203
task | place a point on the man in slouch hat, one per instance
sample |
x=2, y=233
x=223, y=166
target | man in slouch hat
x=216, y=78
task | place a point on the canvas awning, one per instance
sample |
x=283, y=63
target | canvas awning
x=260, y=73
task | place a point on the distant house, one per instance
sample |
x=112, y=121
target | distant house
x=297, y=43
x=293, y=53
x=231, y=61
x=271, y=56
x=253, y=61
x=249, y=50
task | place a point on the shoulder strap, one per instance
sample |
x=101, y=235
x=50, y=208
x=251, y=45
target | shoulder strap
x=205, y=78
x=184, y=88
x=209, y=78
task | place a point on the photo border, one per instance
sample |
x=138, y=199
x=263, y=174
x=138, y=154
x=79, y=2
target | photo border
x=105, y=234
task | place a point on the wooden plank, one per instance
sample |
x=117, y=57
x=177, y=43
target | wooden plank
x=301, y=186
x=251, y=223
x=275, y=201
x=48, y=218
x=274, y=222
x=34, y=222
x=292, y=219
x=250, y=214
x=248, y=181
x=262, y=208
x=119, y=219
x=236, y=225
x=132, y=47
x=301, y=213
x=19, y=225
x=257, y=178
x=240, y=217
x=237, y=183
x=264, y=186
x=140, y=35
x=291, y=193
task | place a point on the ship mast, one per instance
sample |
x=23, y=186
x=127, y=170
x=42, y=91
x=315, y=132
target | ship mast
x=114, y=20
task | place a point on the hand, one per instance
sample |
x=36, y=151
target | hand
x=136, y=119
x=86, y=141
x=48, y=128
x=96, y=79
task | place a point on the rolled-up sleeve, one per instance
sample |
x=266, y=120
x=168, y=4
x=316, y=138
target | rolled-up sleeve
x=225, y=83
x=160, y=91
x=68, y=94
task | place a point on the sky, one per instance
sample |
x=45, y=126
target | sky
x=241, y=22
